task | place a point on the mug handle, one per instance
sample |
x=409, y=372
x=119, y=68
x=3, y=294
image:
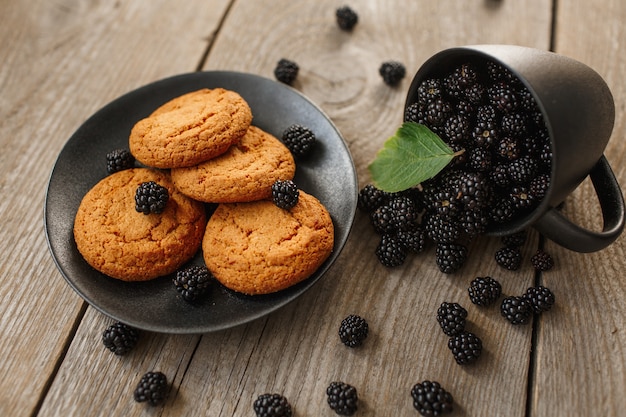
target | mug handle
x=562, y=231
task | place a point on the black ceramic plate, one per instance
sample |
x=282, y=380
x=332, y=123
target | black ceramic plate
x=328, y=173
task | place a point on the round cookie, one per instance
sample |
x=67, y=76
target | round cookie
x=259, y=248
x=244, y=173
x=190, y=129
x=122, y=243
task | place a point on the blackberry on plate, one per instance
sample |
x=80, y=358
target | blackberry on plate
x=540, y=298
x=392, y=72
x=286, y=71
x=517, y=310
x=272, y=405
x=120, y=338
x=285, y=194
x=542, y=260
x=346, y=18
x=151, y=198
x=451, y=317
x=342, y=398
x=370, y=198
x=353, y=330
x=450, y=257
x=192, y=282
x=119, y=160
x=466, y=347
x=484, y=291
x=430, y=399
x=299, y=139
x=509, y=257
x=390, y=252
x=151, y=388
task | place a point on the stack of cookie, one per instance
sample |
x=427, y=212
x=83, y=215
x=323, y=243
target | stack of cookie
x=203, y=148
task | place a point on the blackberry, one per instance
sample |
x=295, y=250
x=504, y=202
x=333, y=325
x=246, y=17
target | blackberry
x=119, y=159
x=452, y=87
x=484, y=291
x=120, y=338
x=466, y=347
x=353, y=330
x=514, y=124
x=474, y=190
x=542, y=260
x=446, y=204
x=523, y=169
x=475, y=93
x=450, y=257
x=521, y=197
x=487, y=114
x=272, y=405
x=474, y=222
x=151, y=388
x=456, y=128
x=392, y=72
x=437, y=112
x=465, y=108
x=485, y=134
x=383, y=219
x=539, y=186
x=451, y=317
x=430, y=399
x=299, y=140
x=192, y=282
x=441, y=229
x=286, y=71
x=508, y=148
x=502, y=211
x=405, y=212
x=428, y=90
x=465, y=75
x=342, y=398
x=390, y=252
x=346, y=18
x=509, y=257
x=496, y=71
x=413, y=240
x=503, y=96
x=517, y=310
x=479, y=159
x=151, y=197
x=370, y=198
x=415, y=113
x=540, y=298
x=516, y=239
x=499, y=176
x=285, y=194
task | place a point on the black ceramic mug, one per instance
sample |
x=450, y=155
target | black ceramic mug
x=579, y=113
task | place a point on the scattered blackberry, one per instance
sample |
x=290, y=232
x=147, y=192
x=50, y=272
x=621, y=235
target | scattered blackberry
x=390, y=252
x=120, y=338
x=392, y=72
x=151, y=198
x=151, y=388
x=346, y=18
x=272, y=405
x=441, y=229
x=451, y=317
x=285, y=194
x=192, y=282
x=299, y=140
x=286, y=71
x=516, y=239
x=517, y=310
x=370, y=198
x=383, y=219
x=405, y=212
x=342, y=398
x=430, y=399
x=353, y=330
x=450, y=257
x=119, y=159
x=466, y=347
x=484, y=291
x=542, y=260
x=446, y=204
x=509, y=257
x=413, y=240
x=540, y=298
x=428, y=90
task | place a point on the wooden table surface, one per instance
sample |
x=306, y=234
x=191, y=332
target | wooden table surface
x=62, y=60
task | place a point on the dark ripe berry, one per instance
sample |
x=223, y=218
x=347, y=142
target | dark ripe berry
x=120, y=338
x=502, y=211
x=474, y=190
x=474, y=222
x=428, y=90
x=503, y=96
x=484, y=291
x=540, y=298
x=517, y=310
x=499, y=176
x=539, y=186
x=451, y=317
x=346, y=18
x=487, y=114
x=466, y=75
x=192, y=282
x=285, y=194
x=286, y=71
x=450, y=257
x=542, y=260
x=466, y=347
x=151, y=388
x=272, y=405
x=485, y=134
x=370, y=198
x=475, y=93
x=497, y=71
x=514, y=124
x=523, y=169
x=508, y=148
x=456, y=128
x=383, y=219
x=342, y=398
x=390, y=252
x=441, y=229
x=353, y=330
x=479, y=159
x=405, y=213
x=446, y=204
x=516, y=239
x=415, y=113
x=509, y=257
x=119, y=159
x=392, y=72
x=437, y=112
x=151, y=197
x=521, y=197
x=299, y=140
x=430, y=399
x=413, y=240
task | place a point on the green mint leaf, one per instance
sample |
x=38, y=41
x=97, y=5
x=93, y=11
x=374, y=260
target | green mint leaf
x=411, y=156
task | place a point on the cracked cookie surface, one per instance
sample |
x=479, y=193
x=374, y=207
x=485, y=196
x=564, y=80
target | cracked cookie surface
x=122, y=243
